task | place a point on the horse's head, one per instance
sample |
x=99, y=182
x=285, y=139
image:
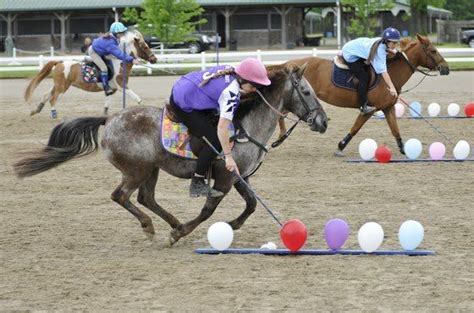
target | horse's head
x=298, y=96
x=430, y=56
x=137, y=46
x=302, y=99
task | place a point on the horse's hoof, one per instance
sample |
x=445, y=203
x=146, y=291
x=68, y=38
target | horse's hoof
x=234, y=225
x=339, y=153
x=173, y=237
x=149, y=236
x=33, y=112
x=106, y=111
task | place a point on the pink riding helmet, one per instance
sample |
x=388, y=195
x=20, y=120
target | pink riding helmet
x=253, y=71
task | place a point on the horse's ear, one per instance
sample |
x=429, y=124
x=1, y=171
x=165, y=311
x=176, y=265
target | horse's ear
x=420, y=38
x=302, y=69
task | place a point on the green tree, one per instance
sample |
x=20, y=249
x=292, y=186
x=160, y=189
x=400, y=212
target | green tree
x=462, y=9
x=364, y=13
x=418, y=9
x=170, y=20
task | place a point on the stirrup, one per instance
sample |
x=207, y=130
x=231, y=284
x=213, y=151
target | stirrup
x=366, y=109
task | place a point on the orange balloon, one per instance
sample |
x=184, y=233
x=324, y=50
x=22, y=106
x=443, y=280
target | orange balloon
x=293, y=234
x=383, y=154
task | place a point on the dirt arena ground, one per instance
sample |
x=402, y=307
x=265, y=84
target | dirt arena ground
x=64, y=245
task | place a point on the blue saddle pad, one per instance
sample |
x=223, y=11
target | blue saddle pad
x=344, y=79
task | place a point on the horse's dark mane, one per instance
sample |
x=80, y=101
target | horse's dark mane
x=251, y=102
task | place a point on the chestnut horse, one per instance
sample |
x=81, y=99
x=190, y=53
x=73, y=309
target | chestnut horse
x=401, y=67
x=67, y=73
x=131, y=142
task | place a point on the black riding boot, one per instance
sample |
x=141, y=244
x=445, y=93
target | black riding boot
x=200, y=188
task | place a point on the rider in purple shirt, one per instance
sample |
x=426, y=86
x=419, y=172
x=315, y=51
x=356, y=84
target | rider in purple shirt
x=219, y=89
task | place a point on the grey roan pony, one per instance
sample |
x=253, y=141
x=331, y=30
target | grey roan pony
x=131, y=141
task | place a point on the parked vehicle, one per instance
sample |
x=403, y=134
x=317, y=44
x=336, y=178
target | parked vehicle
x=467, y=37
x=199, y=42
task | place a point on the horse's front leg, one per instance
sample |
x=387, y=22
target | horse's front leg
x=359, y=122
x=391, y=118
x=251, y=203
x=206, y=212
x=133, y=95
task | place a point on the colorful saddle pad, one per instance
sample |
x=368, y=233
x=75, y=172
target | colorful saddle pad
x=91, y=73
x=344, y=79
x=175, y=137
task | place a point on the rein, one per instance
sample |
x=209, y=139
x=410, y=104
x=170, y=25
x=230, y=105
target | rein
x=413, y=67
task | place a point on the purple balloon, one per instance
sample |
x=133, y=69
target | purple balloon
x=336, y=232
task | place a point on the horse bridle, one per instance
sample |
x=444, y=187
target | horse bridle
x=142, y=45
x=416, y=69
x=296, y=86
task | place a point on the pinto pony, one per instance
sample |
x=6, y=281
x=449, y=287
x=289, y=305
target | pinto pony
x=420, y=52
x=68, y=73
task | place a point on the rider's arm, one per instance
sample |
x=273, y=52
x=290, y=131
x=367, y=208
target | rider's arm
x=388, y=80
x=228, y=102
x=119, y=54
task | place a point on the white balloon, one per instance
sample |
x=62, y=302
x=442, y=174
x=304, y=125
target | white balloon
x=370, y=236
x=410, y=235
x=271, y=245
x=367, y=149
x=434, y=109
x=461, y=150
x=379, y=114
x=220, y=235
x=453, y=109
x=399, y=109
x=413, y=148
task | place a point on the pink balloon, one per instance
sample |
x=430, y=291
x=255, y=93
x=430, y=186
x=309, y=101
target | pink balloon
x=437, y=151
x=399, y=109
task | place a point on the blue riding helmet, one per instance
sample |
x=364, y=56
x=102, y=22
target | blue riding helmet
x=117, y=27
x=391, y=34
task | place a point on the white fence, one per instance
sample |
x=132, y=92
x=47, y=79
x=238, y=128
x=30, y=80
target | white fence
x=170, y=62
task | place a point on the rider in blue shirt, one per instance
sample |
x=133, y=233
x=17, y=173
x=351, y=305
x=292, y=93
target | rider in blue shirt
x=106, y=45
x=361, y=52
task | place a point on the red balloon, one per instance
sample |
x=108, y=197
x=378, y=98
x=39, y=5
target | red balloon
x=293, y=234
x=383, y=154
x=469, y=109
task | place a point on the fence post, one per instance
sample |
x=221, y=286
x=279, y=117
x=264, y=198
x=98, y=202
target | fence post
x=259, y=54
x=15, y=61
x=148, y=70
x=315, y=52
x=162, y=47
x=203, y=61
x=51, y=51
x=41, y=61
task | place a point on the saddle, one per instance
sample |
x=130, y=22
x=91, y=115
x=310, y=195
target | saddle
x=91, y=72
x=176, y=138
x=344, y=78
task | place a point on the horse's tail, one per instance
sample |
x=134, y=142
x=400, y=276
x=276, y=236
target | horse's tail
x=38, y=78
x=68, y=140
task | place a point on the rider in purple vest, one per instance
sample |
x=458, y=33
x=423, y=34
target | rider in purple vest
x=362, y=52
x=218, y=88
x=106, y=45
